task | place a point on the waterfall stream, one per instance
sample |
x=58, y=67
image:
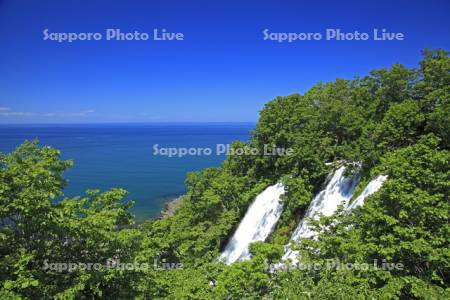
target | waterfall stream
x=258, y=222
x=371, y=188
x=263, y=214
x=338, y=190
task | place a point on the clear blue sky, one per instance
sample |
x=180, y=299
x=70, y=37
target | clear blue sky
x=222, y=71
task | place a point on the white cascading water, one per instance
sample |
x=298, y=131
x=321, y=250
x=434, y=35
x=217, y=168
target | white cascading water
x=257, y=224
x=329, y=197
x=338, y=190
x=371, y=188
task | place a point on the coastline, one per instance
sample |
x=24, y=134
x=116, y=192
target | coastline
x=170, y=207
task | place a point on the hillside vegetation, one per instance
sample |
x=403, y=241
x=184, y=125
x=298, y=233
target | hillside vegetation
x=394, y=121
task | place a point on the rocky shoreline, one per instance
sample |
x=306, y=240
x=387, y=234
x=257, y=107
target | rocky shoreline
x=170, y=207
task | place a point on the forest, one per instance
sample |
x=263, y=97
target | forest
x=394, y=121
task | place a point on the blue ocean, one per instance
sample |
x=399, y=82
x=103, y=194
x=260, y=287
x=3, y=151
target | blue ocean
x=122, y=155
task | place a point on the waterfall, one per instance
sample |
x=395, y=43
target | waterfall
x=257, y=224
x=371, y=188
x=263, y=214
x=338, y=190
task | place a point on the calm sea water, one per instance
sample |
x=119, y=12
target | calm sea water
x=107, y=156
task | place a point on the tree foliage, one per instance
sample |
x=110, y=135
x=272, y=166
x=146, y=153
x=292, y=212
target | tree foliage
x=395, y=121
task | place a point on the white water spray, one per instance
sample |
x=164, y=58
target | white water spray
x=371, y=188
x=330, y=196
x=265, y=211
x=257, y=224
x=338, y=190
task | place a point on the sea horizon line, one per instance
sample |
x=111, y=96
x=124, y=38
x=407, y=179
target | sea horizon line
x=132, y=123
